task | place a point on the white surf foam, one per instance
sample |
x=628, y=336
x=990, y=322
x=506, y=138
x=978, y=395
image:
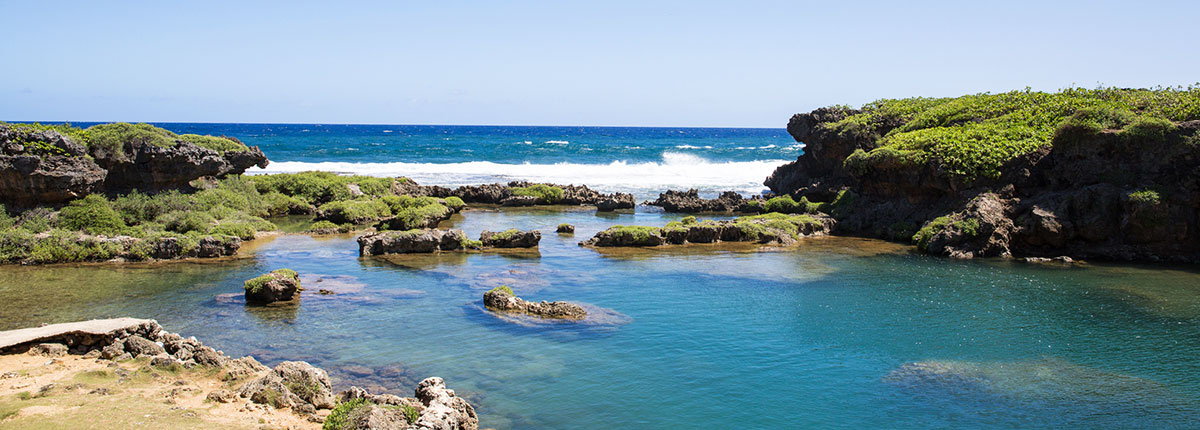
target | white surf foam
x=645, y=179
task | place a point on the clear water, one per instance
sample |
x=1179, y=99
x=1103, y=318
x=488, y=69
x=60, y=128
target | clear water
x=709, y=337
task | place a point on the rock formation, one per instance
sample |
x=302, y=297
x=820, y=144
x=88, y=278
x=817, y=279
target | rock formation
x=766, y=229
x=277, y=286
x=1085, y=195
x=565, y=229
x=690, y=202
x=46, y=167
x=502, y=299
x=511, y=238
x=408, y=242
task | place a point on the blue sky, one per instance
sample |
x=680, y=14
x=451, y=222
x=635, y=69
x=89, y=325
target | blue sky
x=692, y=63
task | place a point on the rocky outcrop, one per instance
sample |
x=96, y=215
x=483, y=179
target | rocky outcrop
x=277, y=286
x=292, y=384
x=433, y=407
x=408, y=242
x=764, y=229
x=511, y=238
x=565, y=229
x=126, y=248
x=502, y=299
x=690, y=202
x=501, y=194
x=1093, y=195
x=45, y=167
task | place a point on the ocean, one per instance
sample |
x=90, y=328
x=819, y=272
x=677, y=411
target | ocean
x=639, y=160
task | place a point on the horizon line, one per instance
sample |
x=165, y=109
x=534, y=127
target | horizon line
x=386, y=124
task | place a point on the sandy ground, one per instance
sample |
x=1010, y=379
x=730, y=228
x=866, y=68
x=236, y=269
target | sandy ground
x=72, y=392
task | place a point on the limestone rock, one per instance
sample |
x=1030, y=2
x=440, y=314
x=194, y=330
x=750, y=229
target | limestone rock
x=501, y=299
x=277, y=286
x=511, y=238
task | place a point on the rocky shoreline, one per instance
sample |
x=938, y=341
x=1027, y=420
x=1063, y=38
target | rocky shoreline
x=775, y=228
x=1120, y=190
x=294, y=386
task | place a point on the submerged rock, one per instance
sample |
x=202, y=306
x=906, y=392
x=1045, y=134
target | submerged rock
x=503, y=299
x=278, y=286
x=565, y=229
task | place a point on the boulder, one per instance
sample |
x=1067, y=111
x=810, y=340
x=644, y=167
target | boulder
x=690, y=202
x=565, y=229
x=406, y=242
x=511, y=238
x=138, y=346
x=308, y=383
x=443, y=409
x=277, y=286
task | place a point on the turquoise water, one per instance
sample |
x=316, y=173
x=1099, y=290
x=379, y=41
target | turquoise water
x=702, y=336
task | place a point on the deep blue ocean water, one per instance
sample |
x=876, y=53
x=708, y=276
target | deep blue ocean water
x=821, y=335
x=641, y=160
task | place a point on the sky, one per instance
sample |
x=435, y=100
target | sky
x=629, y=63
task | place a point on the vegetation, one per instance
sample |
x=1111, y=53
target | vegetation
x=326, y=227
x=1145, y=197
x=354, y=211
x=971, y=137
x=503, y=289
x=505, y=235
x=339, y=418
x=470, y=243
x=544, y=193
x=969, y=227
x=255, y=285
x=636, y=233
x=111, y=138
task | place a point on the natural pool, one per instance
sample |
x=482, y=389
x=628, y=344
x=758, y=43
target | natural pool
x=708, y=337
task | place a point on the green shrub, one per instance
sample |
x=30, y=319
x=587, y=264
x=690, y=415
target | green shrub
x=190, y=221
x=971, y=137
x=67, y=246
x=255, y=284
x=354, y=211
x=504, y=289
x=136, y=207
x=316, y=188
x=93, y=214
x=1145, y=197
x=781, y=204
x=1147, y=129
x=370, y=185
x=220, y=144
x=421, y=216
x=969, y=226
x=637, y=233
x=339, y=417
x=506, y=234
x=470, y=243
x=922, y=237
x=454, y=203
x=114, y=136
x=544, y=193
x=78, y=135
x=323, y=226
x=276, y=203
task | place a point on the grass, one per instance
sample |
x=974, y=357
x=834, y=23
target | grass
x=506, y=234
x=544, y=193
x=354, y=211
x=971, y=137
x=637, y=233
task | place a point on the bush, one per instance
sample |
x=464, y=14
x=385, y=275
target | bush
x=504, y=289
x=781, y=204
x=544, y=193
x=922, y=237
x=114, y=136
x=354, y=211
x=190, y=221
x=275, y=203
x=136, y=207
x=339, y=418
x=454, y=203
x=1147, y=129
x=316, y=188
x=1145, y=197
x=219, y=144
x=92, y=214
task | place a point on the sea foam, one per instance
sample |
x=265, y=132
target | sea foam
x=645, y=179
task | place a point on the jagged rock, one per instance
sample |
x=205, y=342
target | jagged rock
x=1074, y=197
x=277, y=286
x=690, y=202
x=502, y=300
x=309, y=383
x=241, y=368
x=511, y=238
x=405, y=242
x=615, y=201
x=207, y=356
x=519, y=201
x=48, y=350
x=138, y=346
x=221, y=396
x=565, y=229
x=443, y=410
x=32, y=175
x=778, y=229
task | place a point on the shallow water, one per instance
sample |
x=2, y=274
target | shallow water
x=704, y=336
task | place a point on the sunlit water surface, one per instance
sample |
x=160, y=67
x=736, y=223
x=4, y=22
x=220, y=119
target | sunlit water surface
x=696, y=337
